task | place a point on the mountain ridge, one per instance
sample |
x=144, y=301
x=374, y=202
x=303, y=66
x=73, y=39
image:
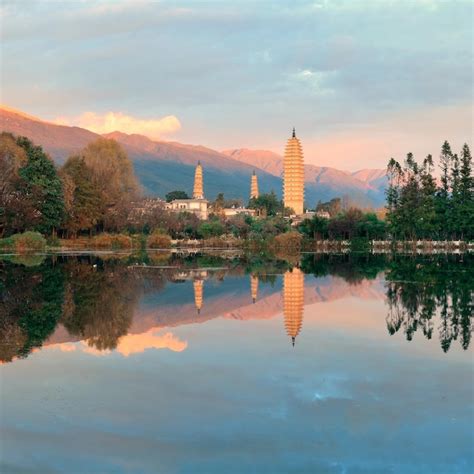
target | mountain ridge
x=163, y=166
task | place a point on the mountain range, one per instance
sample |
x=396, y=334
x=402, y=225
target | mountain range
x=163, y=166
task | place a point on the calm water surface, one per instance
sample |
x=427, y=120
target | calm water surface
x=165, y=364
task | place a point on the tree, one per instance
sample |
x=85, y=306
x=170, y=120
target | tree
x=114, y=178
x=315, y=228
x=82, y=198
x=268, y=204
x=212, y=228
x=466, y=194
x=442, y=197
x=172, y=195
x=42, y=182
x=12, y=158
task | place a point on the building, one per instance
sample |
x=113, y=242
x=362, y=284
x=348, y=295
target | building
x=254, y=186
x=293, y=175
x=235, y=211
x=293, y=302
x=198, y=205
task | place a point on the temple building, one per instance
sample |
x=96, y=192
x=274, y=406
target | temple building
x=293, y=175
x=254, y=186
x=254, y=287
x=198, y=205
x=293, y=302
x=198, y=290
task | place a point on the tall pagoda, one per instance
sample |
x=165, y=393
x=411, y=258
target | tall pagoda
x=254, y=186
x=293, y=175
x=198, y=192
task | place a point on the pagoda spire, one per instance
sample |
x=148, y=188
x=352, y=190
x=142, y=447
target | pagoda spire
x=294, y=133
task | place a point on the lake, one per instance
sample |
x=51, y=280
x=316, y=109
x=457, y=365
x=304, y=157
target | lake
x=219, y=363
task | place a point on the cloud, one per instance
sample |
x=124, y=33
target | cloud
x=113, y=121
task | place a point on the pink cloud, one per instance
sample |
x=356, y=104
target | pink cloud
x=118, y=121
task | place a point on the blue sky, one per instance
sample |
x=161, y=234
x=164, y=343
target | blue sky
x=360, y=80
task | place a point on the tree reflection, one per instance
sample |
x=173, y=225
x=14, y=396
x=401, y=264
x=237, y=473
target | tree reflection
x=31, y=301
x=99, y=302
x=420, y=291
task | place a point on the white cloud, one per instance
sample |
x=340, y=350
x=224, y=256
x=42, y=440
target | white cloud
x=118, y=121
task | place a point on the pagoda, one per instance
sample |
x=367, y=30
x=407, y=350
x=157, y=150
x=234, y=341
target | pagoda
x=198, y=192
x=293, y=175
x=254, y=186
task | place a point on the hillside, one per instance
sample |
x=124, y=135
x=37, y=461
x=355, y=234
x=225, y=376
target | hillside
x=165, y=166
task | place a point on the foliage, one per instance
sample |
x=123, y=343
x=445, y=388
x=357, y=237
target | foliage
x=112, y=175
x=112, y=241
x=31, y=194
x=418, y=208
x=41, y=180
x=288, y=241
x=28, y=242
x=158, y=240
x=82, y=196
x=266, y=204
x=172, y=195
x=211, y=228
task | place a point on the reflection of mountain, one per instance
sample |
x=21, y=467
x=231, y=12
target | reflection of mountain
x=111, y=306
x=231, y=298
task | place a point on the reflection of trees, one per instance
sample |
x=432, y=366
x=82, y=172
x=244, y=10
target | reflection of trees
x=99, y=302
x=419, y=290
x=31, y=300
x=353, y=268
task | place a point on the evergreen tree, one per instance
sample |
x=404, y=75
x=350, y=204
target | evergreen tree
x=40, y=175
x=442, y=198
x=428, y=192
x=454, y=207
x=466, y=195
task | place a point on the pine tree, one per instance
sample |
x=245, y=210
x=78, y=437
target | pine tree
x=466, y=195
x=428, y=191
x=453, y=222
x=442, y=198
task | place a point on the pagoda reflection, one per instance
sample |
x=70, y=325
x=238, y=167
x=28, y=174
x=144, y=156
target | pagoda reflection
x=293, y=302
x=254, y=287
x=198, y=294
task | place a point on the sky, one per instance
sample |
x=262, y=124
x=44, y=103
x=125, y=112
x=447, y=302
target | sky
x=360, y=80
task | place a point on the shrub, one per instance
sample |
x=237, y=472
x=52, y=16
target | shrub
x=158, y=240
x=28, y=242
x=288, y=241
x=112, y=241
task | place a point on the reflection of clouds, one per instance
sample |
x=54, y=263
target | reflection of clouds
x=130, y=344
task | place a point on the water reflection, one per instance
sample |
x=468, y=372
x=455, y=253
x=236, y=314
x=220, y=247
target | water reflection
x=109, y=303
